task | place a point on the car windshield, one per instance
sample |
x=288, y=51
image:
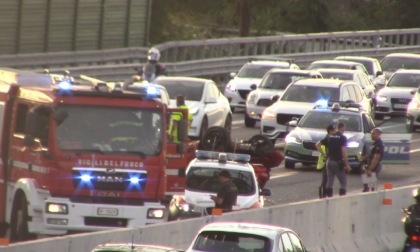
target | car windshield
x=392, y=64
x=204, y=179
x=191, y=90
x=109, y=129
x=254, y=71
x=312, y=94
x=404, y=80
x=280, y=80
x=230, y=241
x=328, y=65
x=340, y=76
x=319, y=119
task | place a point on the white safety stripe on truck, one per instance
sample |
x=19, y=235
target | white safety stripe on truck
x=172, y=172
x=35, y=168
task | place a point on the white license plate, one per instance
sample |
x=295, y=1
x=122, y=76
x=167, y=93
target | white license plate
x=415, y=250
x=315, y=153
x=105, y=211
x=400, y=106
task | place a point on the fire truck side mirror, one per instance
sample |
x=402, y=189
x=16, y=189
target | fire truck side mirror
x=183, y=130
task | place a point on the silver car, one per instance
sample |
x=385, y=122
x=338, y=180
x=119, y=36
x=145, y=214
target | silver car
x=273, y=84
x=394, y=61
x=251, y=73
x=393, y=99
x=301, y=96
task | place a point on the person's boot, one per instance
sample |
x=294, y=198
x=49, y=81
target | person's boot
x=329, y=192
x=365, y=188
x=322, y=192
x=342, y=192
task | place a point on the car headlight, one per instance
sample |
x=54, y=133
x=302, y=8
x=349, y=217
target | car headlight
x=353, y=144
x=57, y=208
x=230, y=88
x=252, y=99
x=293, y=139
x=268, y=114
x=413, y=105
x=381, y=98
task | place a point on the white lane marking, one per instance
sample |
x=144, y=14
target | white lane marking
x=282, y=174
x=238, y=122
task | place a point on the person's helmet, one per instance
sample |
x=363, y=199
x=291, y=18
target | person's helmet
x=153, y=55
x=416, y=194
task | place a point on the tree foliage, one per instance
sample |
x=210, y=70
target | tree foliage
x=191, y=19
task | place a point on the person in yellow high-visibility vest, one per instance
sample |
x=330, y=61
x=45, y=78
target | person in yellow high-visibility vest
x=176, y=117
x=322, y=159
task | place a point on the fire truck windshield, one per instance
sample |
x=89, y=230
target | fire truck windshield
x=109, y=129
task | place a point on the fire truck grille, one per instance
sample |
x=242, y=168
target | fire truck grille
x=117, y=181
x=107, y=200
x=105, y=222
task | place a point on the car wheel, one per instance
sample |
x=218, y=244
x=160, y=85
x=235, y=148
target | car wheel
x=261, y=145
x=216, y=139
x=204, y=127
x=379, y=116
x=249, y=122
x=289, y=164
x=228, y=123
x=19, y=230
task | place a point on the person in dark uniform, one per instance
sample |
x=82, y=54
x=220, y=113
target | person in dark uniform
x=322, y=159
x=227, y=194
x=337, y=162
x=375, y=157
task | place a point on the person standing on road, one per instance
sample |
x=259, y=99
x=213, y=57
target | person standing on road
x=322, y=158
x=375, y=157
x=337, y=162
x=176, y=117
x=227, y=194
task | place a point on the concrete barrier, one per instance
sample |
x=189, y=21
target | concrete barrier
x=359, y=222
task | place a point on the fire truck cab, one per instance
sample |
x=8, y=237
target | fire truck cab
x=77, y=158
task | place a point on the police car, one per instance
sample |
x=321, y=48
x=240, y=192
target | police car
x=202, y=181
x=243, y=236
x=300, y=142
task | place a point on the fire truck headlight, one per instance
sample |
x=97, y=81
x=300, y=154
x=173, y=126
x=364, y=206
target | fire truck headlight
x=86, y=177
x=155, y=213
x=57, y=208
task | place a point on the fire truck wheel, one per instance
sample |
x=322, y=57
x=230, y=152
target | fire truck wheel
x=262, y=145
x=19, y=221
x=216, y=139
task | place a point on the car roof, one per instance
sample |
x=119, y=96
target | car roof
x=362, y=58
x=403, y=55
x=270, y=63
x=292, y=71
x=339, y=70
x=266, y=230
x=337, y=62
x=321, y=82
x=229, y=165
x=407, y=71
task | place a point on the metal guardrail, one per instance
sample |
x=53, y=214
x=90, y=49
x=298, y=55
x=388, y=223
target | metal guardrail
x=217, y=57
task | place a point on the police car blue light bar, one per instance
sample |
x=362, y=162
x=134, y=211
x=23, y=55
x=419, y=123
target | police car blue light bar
x=200, y=154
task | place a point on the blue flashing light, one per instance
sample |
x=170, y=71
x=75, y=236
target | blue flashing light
x=64, y=85
x=321, y=103
x=134, y=180
x=86, y=178
x=152, y=92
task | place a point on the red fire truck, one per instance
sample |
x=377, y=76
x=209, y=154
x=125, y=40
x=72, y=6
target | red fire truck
x=80, y=158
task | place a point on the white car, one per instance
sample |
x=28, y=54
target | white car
x=413, y=111
x=301, y=96
x=372, y=65
x=252, y=72
x=246, y=236
x=202, y=181
x=203, y=99
x=340, y=64
x=394, y=61
x=393, y=99
x=273, y=84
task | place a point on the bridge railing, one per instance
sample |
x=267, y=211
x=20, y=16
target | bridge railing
x=217, y=57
